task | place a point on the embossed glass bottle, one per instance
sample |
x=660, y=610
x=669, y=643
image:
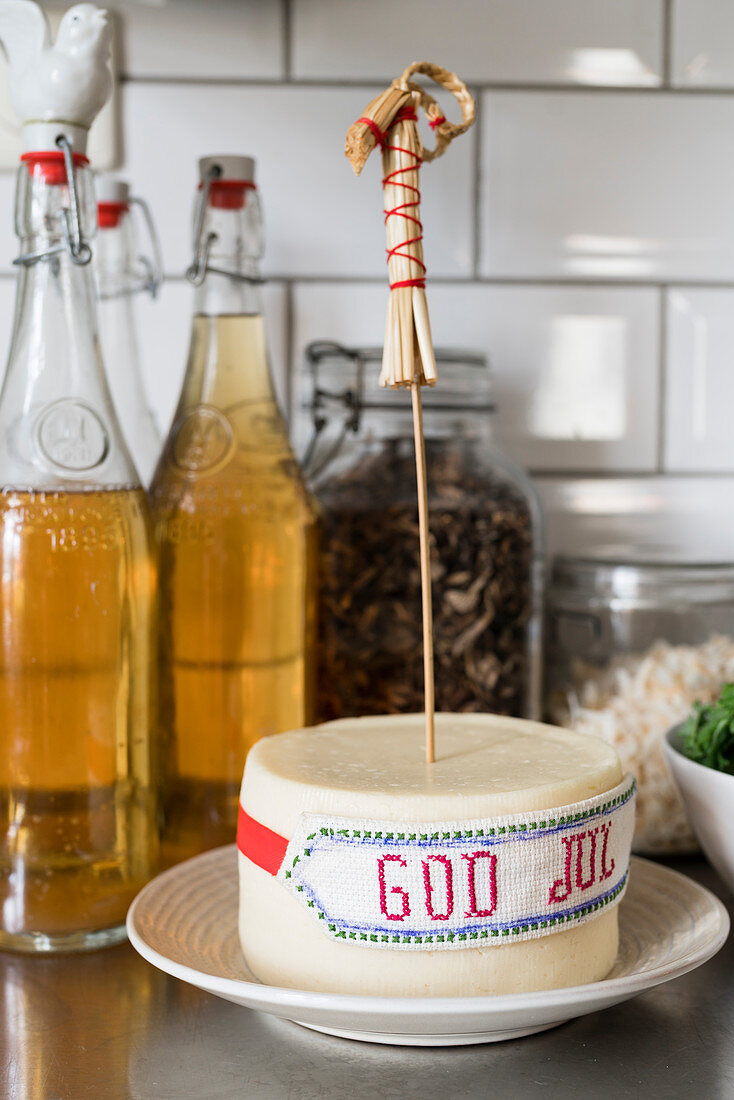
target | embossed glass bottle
x=122, y=274
x=235, y=531
x=77, y=836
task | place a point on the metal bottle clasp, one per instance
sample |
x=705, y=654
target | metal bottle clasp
x=153, y=266
x=150, y=277
x=78, y=249
x=350, y=398
x=200, y=265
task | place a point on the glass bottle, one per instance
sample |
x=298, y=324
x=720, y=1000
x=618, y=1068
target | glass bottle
x=235, y=532
x=76, y=593
x=121, y=275
x=485, y=538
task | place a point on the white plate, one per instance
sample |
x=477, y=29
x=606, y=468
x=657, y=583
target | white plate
x=185, y=923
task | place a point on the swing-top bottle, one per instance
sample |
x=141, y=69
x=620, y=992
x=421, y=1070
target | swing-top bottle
x=77, y=837
x=235, y=534
x=123, y=274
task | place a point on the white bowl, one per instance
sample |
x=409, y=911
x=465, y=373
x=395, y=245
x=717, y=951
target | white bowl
x=708, y=796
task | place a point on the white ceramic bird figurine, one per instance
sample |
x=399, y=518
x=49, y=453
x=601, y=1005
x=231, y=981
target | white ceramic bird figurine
x=68, y=81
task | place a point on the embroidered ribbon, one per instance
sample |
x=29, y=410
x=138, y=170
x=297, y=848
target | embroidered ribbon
x=443, y=885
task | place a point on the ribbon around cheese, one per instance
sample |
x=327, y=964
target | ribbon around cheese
x=431, y=886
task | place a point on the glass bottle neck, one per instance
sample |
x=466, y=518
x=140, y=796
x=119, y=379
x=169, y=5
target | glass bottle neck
x=224, y=296
x=113, y=260
x=57, y=421
x=234, y=245
x=120, y=282
x=228, y=359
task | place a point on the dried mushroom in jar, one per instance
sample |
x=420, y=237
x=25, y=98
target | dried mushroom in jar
x=370, y=658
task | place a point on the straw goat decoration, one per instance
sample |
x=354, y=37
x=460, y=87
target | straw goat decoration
x=391, y=122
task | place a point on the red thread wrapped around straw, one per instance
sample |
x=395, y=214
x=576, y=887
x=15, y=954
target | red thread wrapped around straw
x=391, y=122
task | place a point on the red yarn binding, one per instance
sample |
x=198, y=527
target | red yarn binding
x=434, y=123
x=405, y=114
x=379, y=135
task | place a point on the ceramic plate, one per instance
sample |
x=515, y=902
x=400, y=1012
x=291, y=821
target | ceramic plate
x=185, y=923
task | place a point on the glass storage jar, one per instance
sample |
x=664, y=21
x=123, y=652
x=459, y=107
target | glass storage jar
x=634, y=636
x=484, y=534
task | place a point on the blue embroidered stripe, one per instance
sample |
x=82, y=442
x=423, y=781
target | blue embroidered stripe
x=483, y=930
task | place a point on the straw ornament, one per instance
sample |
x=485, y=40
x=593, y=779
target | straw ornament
x=391, y=122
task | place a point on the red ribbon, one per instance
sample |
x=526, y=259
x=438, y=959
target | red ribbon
x=261, y=845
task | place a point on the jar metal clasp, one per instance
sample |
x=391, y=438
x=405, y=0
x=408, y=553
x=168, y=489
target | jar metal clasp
x=350, y=399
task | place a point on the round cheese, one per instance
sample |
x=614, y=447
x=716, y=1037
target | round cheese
x=374, y=769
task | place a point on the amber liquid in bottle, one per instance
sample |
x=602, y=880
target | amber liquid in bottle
x=77, y=603
x=76, y=812
x=236, y=535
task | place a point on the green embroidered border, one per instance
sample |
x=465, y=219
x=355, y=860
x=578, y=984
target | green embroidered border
x=472, y=834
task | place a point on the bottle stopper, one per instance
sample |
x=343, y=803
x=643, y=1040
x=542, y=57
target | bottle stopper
x=56, y=88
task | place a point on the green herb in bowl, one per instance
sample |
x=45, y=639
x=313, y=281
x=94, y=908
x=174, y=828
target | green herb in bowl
x=708, y=735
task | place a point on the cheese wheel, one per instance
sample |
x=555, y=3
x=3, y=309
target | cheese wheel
x=374, y=769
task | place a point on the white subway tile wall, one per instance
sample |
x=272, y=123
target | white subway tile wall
x=606, y=186
x=203, y=40
x=702, y=44
x=319, y=219
x=699, y=392
x=582, y=235
x=575, y=369
x=512, y=41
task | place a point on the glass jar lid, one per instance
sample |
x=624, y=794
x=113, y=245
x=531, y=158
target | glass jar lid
x=337, y=372
x=644, y=571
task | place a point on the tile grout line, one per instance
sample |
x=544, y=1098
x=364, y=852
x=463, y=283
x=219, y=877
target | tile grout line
x=553, y=283
x=662, y=379
x=289, y=348
x=543, y=474
x=287, y=39
x=370, y=83
x=667, y=43
x=488, y=281
x=477, y=181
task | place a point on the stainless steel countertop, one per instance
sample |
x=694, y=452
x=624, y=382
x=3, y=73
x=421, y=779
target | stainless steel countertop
x=107, y=1025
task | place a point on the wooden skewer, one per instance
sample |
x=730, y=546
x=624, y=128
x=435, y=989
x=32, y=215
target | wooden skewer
x=425, y=559
x=408, y=359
